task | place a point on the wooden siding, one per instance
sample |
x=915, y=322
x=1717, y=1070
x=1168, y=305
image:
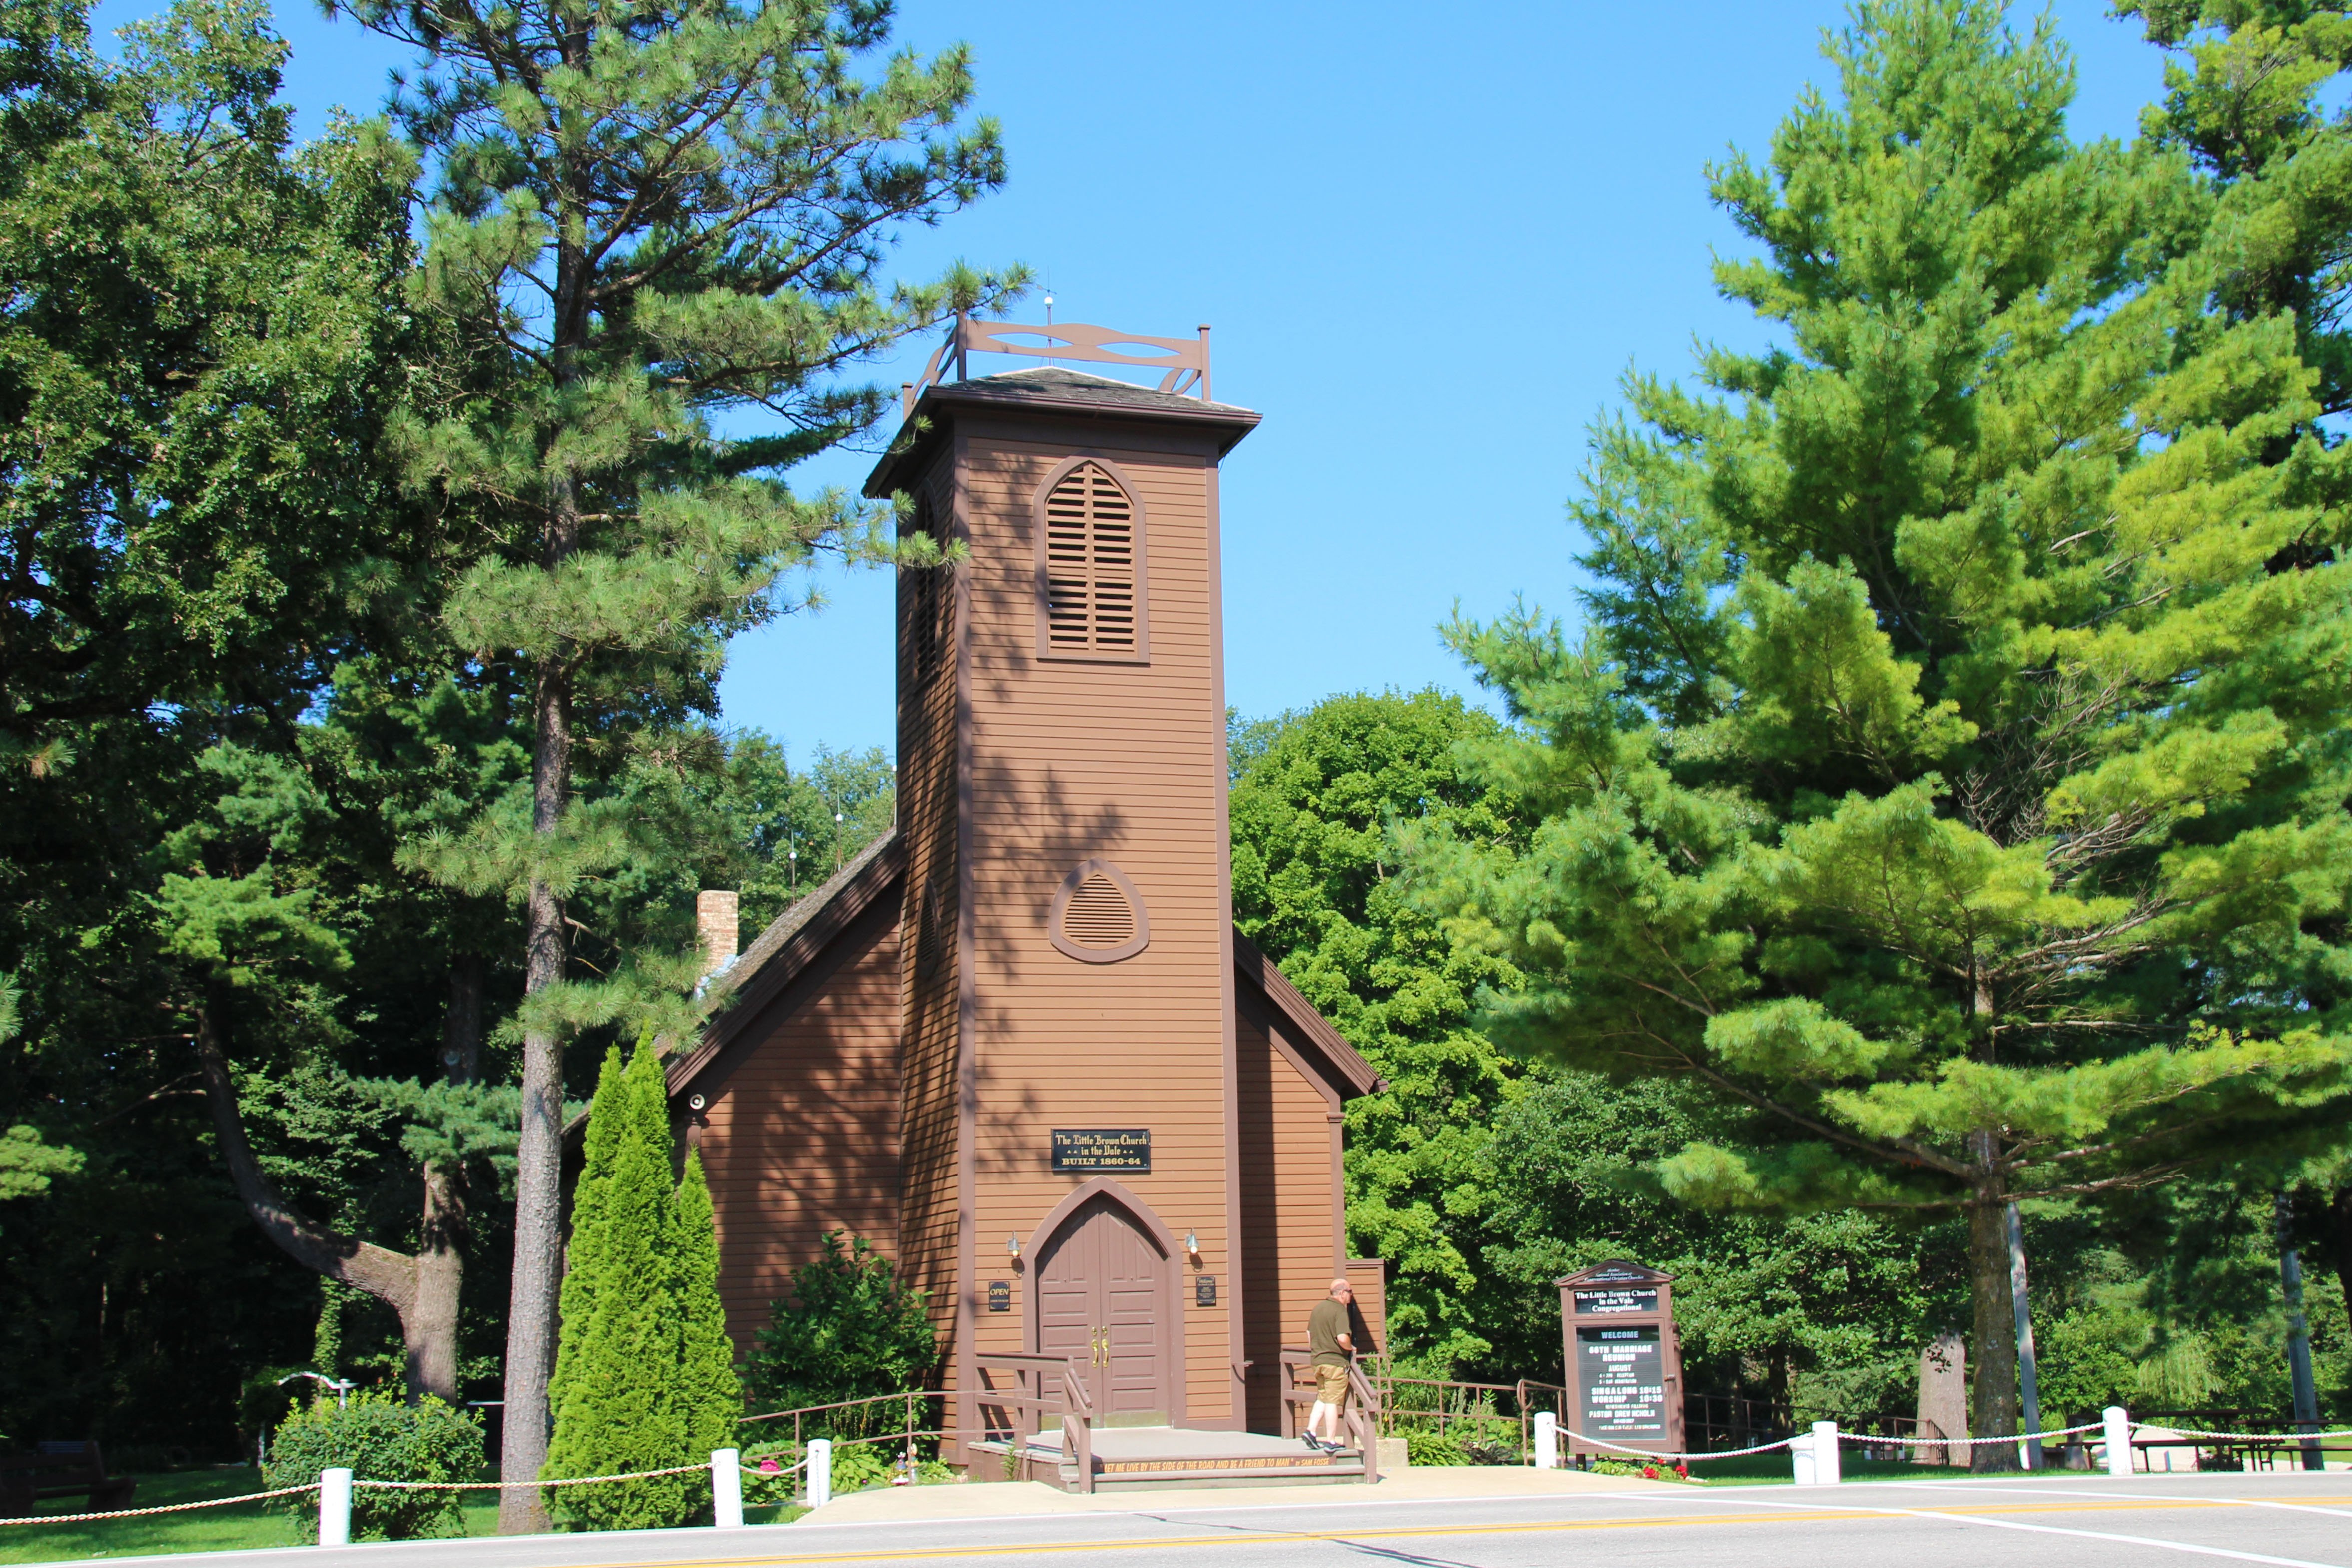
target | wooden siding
x=929, y=956
x=1289, y=1203
x=1072, y=760
x=800, y=1132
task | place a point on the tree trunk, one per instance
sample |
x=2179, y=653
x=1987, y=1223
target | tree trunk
x=392, y=1278
x=432, y=1330
x=1993, y=1354
x=2340, y=1209
x=534, y=1302
x=2020, y=1310
x=538, y=1176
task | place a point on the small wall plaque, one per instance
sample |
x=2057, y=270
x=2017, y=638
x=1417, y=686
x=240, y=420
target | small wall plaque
x=1102, y=1148
x=1000, y=1295
x=1204, y=1290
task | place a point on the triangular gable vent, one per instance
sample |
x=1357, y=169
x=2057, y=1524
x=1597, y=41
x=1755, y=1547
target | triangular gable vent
x=1097, y=915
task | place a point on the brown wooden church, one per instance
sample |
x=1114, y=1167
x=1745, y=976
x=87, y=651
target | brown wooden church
x=1017, y=1043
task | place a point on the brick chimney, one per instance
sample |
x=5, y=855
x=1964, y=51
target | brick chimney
x=714, y=922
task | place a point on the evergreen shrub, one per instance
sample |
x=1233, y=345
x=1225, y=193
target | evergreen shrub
x=644, y=1375
x=850, y=1329
x=378, y=1438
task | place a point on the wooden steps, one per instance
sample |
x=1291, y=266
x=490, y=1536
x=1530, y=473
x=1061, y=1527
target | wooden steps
x=1155, y=1459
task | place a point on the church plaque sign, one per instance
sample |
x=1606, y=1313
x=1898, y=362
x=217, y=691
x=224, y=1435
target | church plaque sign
x=1102, y=1148
x=1624, y=1364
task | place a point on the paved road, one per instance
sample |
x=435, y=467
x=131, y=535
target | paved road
x=2293, y=1520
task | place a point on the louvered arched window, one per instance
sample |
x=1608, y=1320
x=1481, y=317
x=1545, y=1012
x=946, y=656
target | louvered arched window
x=1090, y=586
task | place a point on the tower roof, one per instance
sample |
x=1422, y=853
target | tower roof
x=933, y=405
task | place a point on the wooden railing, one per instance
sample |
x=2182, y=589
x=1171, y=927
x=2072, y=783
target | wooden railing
x=846, y=1423
x=1183, y=362
x=1734, y=1421
x=1041, y=1385
x=1364, y=1404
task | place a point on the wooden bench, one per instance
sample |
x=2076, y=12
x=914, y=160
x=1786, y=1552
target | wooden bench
x=60, y=1469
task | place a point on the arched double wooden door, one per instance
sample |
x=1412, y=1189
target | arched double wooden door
x=1102, y=1299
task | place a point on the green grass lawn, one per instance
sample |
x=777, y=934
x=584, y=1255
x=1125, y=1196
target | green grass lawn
x=232, y=1527
x=235, y=1527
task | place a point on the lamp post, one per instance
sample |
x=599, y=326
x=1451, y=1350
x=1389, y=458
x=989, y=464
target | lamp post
x=342, y=1386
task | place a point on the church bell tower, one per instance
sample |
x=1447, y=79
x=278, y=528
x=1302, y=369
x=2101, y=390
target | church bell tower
x=1070, y=1163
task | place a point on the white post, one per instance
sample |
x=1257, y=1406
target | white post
x=1801, y=1458
x=1547, y=1440
x=820, y=1471
x=2119, y=1452
x=335, y=1508
x=726, y=1488
x=1825, y=1454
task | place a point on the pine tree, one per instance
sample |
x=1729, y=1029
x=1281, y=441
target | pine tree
x=1953, y=772
x=2246, y=98
x=648, y=216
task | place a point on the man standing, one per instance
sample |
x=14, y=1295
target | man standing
x=1332, y=1347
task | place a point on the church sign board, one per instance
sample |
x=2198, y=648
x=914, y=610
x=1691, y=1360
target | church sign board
x=1099, y=1149
x=1624, y=1364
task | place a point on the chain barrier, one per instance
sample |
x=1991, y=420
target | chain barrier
x=559, y=1481
x=159, y=1508
x=1864, y=1437
x=2241, y=1437
x=1859, y=1439
x=1652, y=1454
x=401, y=1486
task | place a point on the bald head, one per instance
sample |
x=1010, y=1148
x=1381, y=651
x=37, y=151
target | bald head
x=1342, y=1289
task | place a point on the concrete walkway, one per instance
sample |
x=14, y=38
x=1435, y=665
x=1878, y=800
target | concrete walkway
x=1010, y=1500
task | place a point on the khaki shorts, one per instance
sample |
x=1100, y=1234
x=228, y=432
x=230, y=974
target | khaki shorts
x=1331, y=1386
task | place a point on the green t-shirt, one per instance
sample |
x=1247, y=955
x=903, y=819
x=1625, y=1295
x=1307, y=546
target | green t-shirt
x=1324, y=1327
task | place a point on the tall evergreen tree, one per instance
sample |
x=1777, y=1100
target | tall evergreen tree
x=1953, y=771
x=638, y=1376
x=2246, y=97
x=651, y=216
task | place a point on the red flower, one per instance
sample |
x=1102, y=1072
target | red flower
x=1649, y=1472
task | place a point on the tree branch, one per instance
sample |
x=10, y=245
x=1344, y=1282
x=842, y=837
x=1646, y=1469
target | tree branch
x=389, y=1275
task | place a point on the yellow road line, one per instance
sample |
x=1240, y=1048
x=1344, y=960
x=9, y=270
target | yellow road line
x=1287, y=1537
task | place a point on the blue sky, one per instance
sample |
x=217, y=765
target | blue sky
x=1429, y=239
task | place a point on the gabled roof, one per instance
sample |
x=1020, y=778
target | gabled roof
x=1347, y=1062
x=798, y=937
x=793, y=940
